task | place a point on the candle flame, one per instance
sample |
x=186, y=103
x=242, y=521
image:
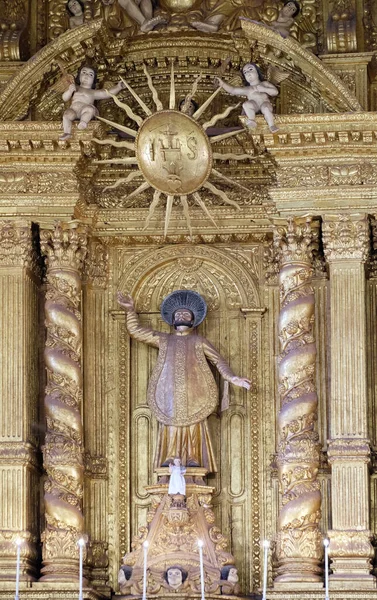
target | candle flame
x=146, y=544
x=266, y=544
x=18, y=541
x=200, y=543
x=81, y=542
x=326, y=542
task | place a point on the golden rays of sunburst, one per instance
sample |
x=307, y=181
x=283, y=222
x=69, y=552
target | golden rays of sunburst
x=172, y=151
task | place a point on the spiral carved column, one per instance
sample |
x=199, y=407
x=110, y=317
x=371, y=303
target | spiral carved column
x=299, y=542
x=65, y=249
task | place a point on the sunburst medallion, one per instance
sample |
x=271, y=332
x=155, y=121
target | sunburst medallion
x=172, y=151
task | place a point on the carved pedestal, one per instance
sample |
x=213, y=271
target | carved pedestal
x=174, y=526
x=346, y=242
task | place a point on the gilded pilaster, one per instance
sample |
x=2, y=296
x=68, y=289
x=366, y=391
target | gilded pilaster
x=346, y=244
x=298, y=542
x=19, y=469
x=65, y=248
x=95, y=312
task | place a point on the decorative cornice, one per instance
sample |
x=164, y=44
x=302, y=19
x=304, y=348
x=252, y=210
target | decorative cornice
x=346, y=237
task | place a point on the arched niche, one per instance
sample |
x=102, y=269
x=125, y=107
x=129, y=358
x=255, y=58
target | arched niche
x=228, y=279
x=225, y=282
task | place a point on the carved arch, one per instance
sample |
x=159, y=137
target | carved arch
x=72, y=47
x=288, y=54
x=94, y=39
x=222, y=279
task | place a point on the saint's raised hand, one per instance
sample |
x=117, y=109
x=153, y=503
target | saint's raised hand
x=125, y=301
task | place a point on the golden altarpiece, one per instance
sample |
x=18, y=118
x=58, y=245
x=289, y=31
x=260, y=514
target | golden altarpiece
x=274, y=226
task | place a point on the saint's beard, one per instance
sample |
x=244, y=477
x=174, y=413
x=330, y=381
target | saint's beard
x=182, y=324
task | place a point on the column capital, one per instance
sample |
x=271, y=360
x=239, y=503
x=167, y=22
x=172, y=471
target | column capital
x=65, y=246
x=295, y=239
x=16, y=244
x=346, y=237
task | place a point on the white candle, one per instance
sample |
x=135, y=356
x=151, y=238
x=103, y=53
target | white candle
x=266, y=546
x=81, y=544
x=145, y=548
x=18, y=569
x=201, y=544
x=326, y=544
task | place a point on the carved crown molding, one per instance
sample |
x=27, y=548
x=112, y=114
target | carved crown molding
x=346, y=237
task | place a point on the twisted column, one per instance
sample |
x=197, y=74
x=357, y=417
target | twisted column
x=346, y=242
x=65, y=249
x=299, y=542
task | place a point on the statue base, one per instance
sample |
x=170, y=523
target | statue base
x=175, y=525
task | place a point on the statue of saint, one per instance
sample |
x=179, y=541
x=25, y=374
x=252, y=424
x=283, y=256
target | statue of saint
x=182, y=391
x=177, y=482
x=257, y=91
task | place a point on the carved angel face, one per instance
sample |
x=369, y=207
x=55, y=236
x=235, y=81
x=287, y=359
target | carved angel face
x=233, y=575
x=250, y=73
x=75, y=8
x=87, y=76
x=174, y=577
x=289, y=9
